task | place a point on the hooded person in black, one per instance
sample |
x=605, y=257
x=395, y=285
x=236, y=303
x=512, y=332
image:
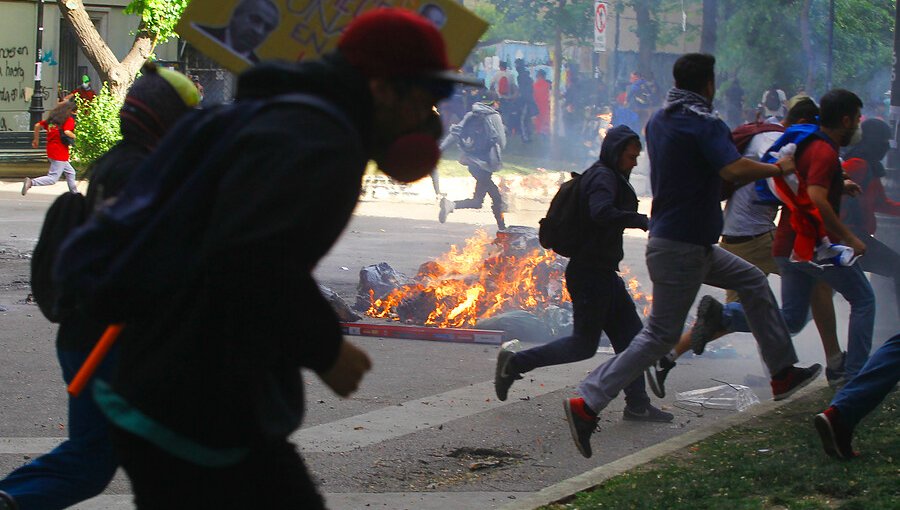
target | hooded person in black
x=600, y=300
x=209, y=386
x=83, y=466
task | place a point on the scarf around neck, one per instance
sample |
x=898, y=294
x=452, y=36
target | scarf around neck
x=689, y=102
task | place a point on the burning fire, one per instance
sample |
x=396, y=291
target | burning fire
x=642, y=300
x=476, y=282
x=480, y=281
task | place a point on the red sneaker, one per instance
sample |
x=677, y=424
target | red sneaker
x=581, y=424
x=836, y=437
x=795, y=379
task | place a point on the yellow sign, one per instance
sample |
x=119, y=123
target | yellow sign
x=239, y=33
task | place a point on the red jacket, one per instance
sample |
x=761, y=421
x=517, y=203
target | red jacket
x=859, y=212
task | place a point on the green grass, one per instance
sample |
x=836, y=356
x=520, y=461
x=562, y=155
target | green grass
x=774, y=461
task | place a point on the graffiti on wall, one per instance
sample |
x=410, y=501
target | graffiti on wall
x=15, y=92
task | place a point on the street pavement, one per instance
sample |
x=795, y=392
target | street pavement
x=425, y=430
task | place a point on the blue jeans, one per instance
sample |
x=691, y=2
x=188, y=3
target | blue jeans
x=797, y=282
x=601, y=303
x=876, y=379
x=81, y=467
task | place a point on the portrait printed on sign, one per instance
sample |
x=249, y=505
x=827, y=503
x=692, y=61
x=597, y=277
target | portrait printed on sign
x=241, y=33
x=250, y=24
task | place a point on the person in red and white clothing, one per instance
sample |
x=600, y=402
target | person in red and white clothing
x=862, y=163
x=59, y=124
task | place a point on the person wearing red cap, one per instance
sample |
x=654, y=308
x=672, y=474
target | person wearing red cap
x=208, y=386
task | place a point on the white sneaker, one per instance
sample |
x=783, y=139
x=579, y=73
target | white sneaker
x=447, y=207
x=26, y=185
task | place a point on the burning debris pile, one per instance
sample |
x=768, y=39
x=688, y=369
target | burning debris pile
x=484, y=279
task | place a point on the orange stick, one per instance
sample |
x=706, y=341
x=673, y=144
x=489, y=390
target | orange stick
x=98, y=353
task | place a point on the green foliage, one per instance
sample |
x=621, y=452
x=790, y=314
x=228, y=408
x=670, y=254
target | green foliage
x=96, y=129
x=158, y=17
x=761, y=43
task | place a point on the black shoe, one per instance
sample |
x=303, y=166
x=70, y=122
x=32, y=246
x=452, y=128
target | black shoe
x=581, y=424
x=649, y=413
x=709, y=322
x=7, y=502
x=503, y=380
x=795, y=379
x=656, y=375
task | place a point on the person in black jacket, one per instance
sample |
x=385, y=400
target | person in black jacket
x=209, y=385
x=84, y=464
x=599, y=297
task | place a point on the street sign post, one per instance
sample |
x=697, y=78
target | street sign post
x=600, y=26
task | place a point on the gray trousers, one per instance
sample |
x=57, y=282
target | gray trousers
x=57, y=168
x=677, y=270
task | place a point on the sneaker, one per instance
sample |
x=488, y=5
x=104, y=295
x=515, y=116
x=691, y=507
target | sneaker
x=581, y=424
x=656, y=375
x=795, y=379
x=709, y=322
x=26, y=185
x=836, y=437
x=837, y=378
x=649, y=413
x=447, y=207
x=7, y=502
x=503, y=380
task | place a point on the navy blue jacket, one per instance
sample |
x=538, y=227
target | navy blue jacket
x=610, y=203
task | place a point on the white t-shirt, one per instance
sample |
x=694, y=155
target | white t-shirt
x=743, y=217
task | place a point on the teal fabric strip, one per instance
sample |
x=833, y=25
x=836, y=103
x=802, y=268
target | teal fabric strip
x=124, y=415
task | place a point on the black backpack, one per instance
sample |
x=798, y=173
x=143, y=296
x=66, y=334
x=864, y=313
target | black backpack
x=562, y=229
x=68, y=212
x=130, y=255
x=773, y=102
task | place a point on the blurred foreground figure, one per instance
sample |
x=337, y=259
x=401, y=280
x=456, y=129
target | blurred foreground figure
x=857, y=399
x=82, y=466
x=254, y=194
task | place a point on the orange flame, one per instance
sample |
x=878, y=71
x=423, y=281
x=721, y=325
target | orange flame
x=465, y=285
x=478, y=281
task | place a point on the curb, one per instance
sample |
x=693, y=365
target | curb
x=591, y=479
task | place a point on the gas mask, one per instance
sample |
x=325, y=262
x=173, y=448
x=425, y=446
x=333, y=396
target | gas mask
x=413, y=155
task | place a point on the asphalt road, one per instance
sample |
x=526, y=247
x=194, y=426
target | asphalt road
x=425, y=430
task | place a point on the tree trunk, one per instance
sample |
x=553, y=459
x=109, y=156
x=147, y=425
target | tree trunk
x=710, y=26
x=119, y=75
x=647, y=31
x=805, y=38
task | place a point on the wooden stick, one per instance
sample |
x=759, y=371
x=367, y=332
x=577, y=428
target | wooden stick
x=94, y=359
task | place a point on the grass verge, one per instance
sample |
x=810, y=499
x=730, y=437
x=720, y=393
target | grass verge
x=774, y=461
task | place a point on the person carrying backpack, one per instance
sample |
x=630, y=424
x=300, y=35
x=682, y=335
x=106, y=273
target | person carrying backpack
x=773, y=103
x=607, y=206
x=82, y=466
x=482, y=137
x=248, y=198
x=60, y=126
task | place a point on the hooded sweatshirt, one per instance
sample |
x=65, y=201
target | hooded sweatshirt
x=610, y=202
x=214, y=371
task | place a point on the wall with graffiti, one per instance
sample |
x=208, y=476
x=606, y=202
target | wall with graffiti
x=63, y=62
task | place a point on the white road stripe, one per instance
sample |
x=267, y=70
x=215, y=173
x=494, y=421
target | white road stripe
x=390, y=422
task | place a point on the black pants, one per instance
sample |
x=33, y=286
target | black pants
x=881, y=260
x=484, y=185
x=601, y=303
x=269, y=477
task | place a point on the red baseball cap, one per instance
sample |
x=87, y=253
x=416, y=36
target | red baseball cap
x=389, y=42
